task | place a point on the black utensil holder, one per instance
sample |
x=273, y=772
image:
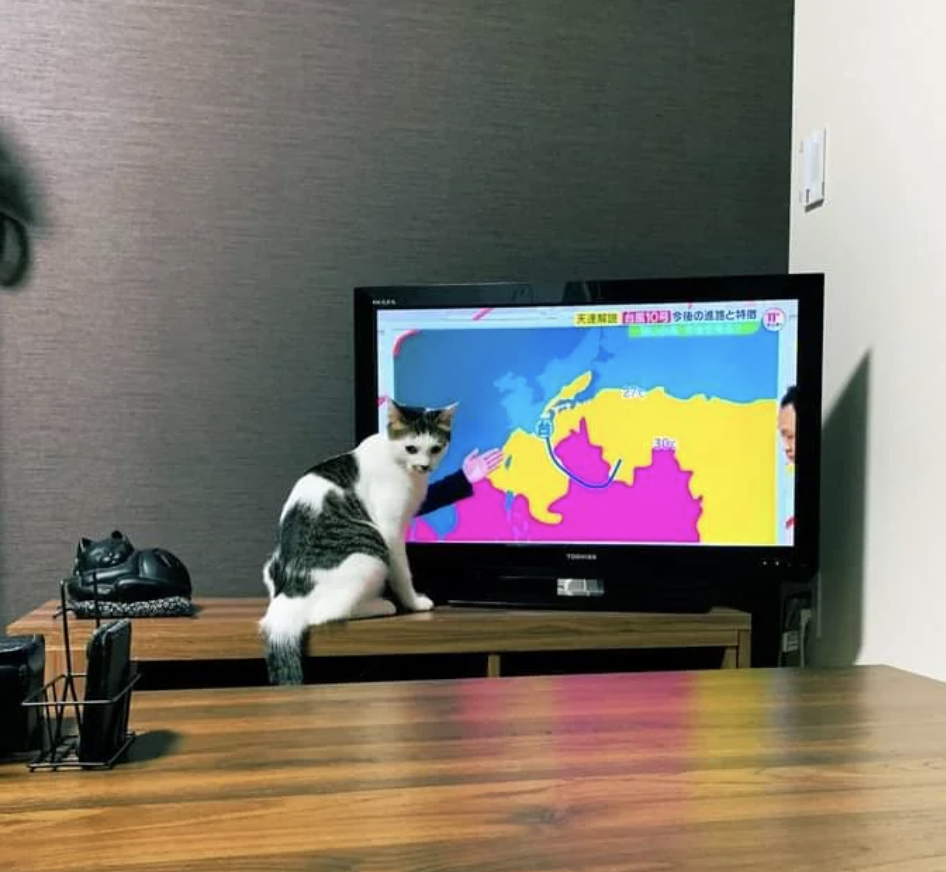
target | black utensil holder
x=62, y=712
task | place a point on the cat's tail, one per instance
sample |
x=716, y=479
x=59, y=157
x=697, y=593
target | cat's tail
x=283, y=628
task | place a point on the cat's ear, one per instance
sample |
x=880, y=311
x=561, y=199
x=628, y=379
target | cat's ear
x=397, y=419
x=84, y=543
x=445, y=416
x=395, y=412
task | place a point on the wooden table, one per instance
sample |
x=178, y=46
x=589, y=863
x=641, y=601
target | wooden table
x=226, y=629
x=739, y=771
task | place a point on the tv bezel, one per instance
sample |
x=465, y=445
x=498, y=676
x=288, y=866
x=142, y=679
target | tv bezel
x=446, y=564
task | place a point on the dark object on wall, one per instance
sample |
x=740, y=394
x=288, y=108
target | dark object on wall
x=111, y=578
x=22, y=668
x=14, y=250
x=15, y=217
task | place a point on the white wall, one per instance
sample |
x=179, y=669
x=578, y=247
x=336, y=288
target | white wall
x=873, y=72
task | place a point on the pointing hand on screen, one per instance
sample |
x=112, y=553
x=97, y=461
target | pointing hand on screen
x=477, y=466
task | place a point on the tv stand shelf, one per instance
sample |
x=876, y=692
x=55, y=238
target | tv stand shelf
x=226, y=629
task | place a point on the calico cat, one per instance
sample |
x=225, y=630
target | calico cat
x=341, y=535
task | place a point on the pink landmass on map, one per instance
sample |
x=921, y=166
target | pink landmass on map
x=657, y=507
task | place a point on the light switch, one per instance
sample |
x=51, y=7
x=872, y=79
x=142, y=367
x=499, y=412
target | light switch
x=812, y=162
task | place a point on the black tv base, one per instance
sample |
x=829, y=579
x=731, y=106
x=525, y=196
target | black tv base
x=578, y=594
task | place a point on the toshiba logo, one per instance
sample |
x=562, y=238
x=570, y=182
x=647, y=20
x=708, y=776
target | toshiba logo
x=577, y=556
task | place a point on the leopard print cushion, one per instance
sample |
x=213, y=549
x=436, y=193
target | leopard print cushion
x=170, y=607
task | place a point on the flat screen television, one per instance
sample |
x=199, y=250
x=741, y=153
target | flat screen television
x=619, y=443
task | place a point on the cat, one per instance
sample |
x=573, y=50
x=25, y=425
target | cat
x=341, y=535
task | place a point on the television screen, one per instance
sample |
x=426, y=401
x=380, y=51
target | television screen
x=623, y=428
x=604, y=424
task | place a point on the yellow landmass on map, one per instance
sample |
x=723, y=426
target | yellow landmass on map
x=729, y=447
x=571, y=390
x=531, y=474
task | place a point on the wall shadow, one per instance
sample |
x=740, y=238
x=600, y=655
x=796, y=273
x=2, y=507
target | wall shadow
x=843, y=524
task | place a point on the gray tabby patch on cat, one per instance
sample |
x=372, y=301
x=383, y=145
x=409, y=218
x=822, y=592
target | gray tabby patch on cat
x=341, y=535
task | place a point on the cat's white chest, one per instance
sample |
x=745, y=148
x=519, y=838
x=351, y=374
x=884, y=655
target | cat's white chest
x=392, y=496
x=389, y=492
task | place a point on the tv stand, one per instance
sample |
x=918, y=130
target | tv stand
x=225, y=629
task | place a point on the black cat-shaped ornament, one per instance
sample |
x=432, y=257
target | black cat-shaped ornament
x=127, y=581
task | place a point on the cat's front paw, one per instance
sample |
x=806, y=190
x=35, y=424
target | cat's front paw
x=421, y=603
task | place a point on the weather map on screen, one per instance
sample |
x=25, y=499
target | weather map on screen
x=660, y=424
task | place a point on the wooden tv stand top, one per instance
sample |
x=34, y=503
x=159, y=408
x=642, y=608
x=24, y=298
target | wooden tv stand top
x=226, y=629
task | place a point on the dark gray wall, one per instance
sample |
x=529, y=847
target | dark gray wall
x=216, y=176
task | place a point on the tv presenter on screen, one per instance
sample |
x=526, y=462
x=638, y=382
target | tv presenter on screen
x=459, y=485
x=786, y=427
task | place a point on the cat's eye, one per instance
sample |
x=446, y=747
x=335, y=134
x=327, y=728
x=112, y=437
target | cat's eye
x=436, y=449
x=411, y=449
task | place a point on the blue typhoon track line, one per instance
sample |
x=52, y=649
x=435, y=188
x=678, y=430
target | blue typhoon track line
x=589, y=484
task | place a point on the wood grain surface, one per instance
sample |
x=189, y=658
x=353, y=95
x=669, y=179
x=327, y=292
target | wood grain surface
x=741, y=770
x=227, y=629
